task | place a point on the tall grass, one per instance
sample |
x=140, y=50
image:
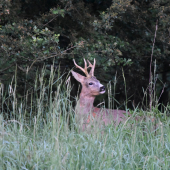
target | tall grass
x=39, y=132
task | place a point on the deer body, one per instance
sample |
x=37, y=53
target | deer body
x=91, y=87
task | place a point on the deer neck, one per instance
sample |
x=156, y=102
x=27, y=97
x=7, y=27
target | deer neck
x=85, y=103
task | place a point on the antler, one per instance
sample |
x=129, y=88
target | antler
x=85, y=68
x=92, y=67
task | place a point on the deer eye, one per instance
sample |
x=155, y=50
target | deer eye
x=90, y=83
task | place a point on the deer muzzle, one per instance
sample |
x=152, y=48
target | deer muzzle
x=102, y=89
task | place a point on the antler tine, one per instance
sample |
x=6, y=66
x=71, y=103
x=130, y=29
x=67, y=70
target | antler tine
x=85, y=68
x=92, y=67
x=82, y=69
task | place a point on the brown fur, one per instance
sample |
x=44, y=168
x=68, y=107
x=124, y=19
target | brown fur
x=86, y=112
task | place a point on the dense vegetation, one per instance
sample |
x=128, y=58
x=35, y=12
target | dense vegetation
x=52, y=140
x=38, y=40
x=119, y=34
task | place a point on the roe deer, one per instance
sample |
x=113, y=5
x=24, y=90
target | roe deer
x=91, y=87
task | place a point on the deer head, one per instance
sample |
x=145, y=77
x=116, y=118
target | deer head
x=91, y=87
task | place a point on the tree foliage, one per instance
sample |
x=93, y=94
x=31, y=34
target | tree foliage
x=118, y=33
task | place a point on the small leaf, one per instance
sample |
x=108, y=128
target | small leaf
x=55, y=11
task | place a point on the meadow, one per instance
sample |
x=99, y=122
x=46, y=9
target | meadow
x=38, y=131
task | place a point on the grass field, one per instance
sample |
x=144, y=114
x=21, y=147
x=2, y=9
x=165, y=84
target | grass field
x=40, y=132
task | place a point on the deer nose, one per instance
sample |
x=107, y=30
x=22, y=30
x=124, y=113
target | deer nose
x=102, y=88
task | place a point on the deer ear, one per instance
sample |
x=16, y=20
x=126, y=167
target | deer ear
x=78, y=77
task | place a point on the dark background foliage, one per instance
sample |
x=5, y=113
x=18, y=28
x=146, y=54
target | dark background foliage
x=118, y=33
